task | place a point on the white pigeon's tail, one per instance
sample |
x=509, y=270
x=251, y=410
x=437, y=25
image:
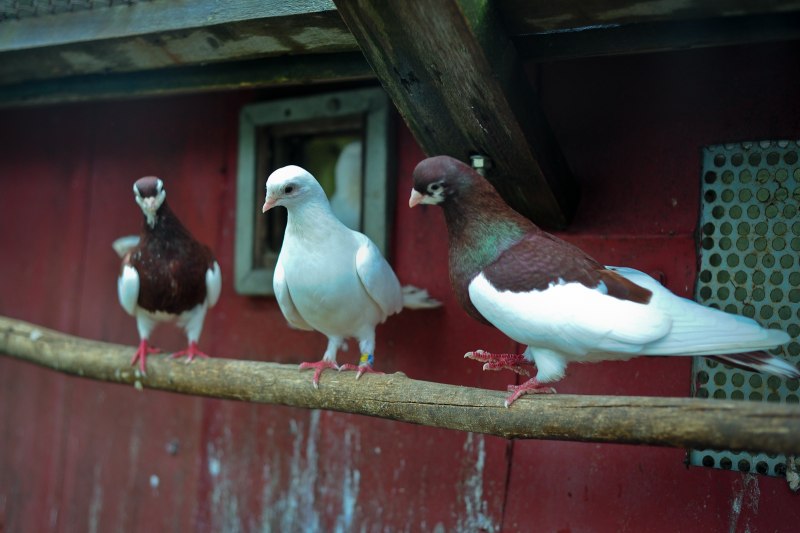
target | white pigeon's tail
x=760, y=362
x=123, y=245
x=416, y=298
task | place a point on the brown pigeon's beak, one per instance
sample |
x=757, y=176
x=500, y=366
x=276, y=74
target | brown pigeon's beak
x=269, y=203
x=416, y=197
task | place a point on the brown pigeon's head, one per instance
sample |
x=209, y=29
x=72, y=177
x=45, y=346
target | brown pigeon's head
x=440, y=179
x=150, y=194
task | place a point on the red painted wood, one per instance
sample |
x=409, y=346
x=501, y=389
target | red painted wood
x=633, y=129
x=79, y=455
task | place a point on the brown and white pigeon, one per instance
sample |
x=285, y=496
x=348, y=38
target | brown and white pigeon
x=565, y=306
x=167, y=276
x=330, y=278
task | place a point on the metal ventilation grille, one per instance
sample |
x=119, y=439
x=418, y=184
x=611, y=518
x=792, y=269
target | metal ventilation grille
x=17, y=9
x=750, y=265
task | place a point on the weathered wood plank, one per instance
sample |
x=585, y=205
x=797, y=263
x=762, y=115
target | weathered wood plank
x=679, y=422
x=658, y=37
x=227, y=76
x=162, y=33
x=523, y=16
x=457, y=81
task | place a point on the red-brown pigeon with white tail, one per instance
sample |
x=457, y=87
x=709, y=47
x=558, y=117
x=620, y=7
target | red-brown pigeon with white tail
x=167, y=276
x=563, y=305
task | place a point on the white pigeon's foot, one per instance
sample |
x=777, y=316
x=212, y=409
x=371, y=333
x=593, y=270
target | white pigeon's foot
x=190, y=353
x=362, y=369
x=529, y=387
x=364, y=365
x=501, y=361
x=318, y=367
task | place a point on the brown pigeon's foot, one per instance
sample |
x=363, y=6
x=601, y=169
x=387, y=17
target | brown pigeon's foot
x=501, y=361
x=141, y=353
x=318, y=367
x=190, y=353
x=529, y=387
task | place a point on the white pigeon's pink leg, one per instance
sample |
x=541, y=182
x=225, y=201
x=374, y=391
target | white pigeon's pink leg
x=365, y=364
x=501, y=361
x=141, y=353
x=190, y=353
x=328, y=360
x=532, y=386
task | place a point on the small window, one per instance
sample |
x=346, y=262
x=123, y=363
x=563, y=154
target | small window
x=342, y=138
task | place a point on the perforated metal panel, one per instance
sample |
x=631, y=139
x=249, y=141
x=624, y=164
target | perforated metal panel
x=750, y=265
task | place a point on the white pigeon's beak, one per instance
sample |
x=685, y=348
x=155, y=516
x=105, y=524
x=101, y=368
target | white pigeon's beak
x=416, y=197
x=269, y=203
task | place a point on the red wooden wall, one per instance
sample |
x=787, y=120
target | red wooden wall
x=77, y=455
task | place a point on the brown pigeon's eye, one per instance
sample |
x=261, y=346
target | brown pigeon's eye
x=435, y=187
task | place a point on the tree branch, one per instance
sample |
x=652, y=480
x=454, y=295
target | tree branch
x=679, y=422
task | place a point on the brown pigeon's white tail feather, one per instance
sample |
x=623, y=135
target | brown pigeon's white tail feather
x=416, y=298
x=761, y=362
x=123, y=245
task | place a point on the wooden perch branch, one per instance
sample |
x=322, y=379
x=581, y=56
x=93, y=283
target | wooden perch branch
x=679, y=422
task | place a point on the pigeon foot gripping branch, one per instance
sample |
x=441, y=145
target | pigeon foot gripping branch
x=330, y=278
x=565, y=306
x=167, y=276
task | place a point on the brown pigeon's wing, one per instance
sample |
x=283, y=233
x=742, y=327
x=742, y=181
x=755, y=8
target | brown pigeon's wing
x=540, y=260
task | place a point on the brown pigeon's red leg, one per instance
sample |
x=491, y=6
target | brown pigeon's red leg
x=501, y=361
x=190, y=353
x=364, y=365
x=141, y=353
x=318, y=367
x=529, y=387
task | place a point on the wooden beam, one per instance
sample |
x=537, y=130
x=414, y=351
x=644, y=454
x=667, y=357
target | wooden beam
x=658, y=36
x=262, y=73
x=455, y=77
x=164, y=33
x=525, y=17
x=678, y=422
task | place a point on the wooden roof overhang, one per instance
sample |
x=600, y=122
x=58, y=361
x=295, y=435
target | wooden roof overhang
x=454, y=68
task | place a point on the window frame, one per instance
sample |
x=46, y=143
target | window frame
x=374, y=105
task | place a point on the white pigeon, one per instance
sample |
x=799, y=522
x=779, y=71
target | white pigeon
x=330, y=278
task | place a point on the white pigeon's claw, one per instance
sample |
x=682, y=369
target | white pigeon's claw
x=416, y=298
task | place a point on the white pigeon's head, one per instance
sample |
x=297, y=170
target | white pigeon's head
x=289, y=186
x=150, y=194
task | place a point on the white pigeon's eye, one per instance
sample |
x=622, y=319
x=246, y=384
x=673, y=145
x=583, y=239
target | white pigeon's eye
x=288, y=189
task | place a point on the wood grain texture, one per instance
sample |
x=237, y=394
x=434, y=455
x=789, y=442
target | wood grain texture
x=522, y=16
x=160, y=34
x=676, y=422
x=457, y=81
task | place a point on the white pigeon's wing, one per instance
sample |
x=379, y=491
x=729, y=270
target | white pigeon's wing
x=377, y=276
x=700, y=330
x=128, y=288
x=570, y=318
x=285, y=302
x=213, y=284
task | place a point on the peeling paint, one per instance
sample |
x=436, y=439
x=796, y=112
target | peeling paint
x=96, y=502
x=154, y=482
x=475, y=516
x=224, y=500
x=35, y=335
x=746, y=496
